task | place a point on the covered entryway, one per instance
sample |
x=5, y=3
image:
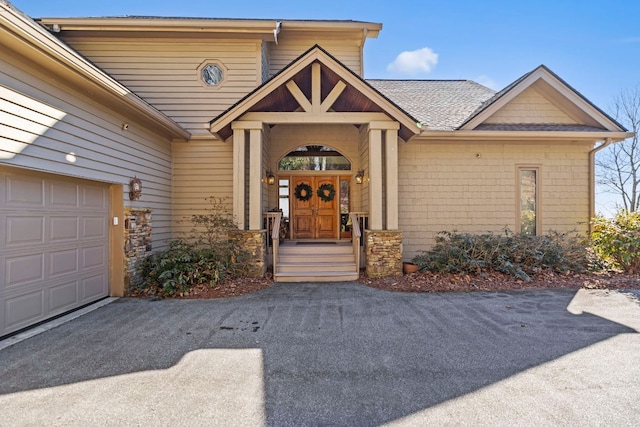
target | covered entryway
x=54, y=246
x=315, y=95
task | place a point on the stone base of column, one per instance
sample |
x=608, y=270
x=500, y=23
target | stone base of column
x=383, y=253
x=137, y=238
x=254, y=244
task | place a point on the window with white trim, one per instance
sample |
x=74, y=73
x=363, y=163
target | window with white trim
x=528, y=200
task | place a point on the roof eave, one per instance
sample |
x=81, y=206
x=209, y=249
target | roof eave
x=256, y=26
x=484, y=135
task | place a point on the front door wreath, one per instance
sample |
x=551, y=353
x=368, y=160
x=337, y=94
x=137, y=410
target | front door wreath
x=326, y=192
x=303, y=192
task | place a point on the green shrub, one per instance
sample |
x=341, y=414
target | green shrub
x=204, y=256
x=516, y=254
x=617, y=240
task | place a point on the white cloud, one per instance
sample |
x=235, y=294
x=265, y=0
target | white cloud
x=487, y=81
x=414, y=62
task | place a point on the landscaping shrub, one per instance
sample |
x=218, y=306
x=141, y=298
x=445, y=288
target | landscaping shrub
x=516, y=254
x=617, y=240
x=204, y=256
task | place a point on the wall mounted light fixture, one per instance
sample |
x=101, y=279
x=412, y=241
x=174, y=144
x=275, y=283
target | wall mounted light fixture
x=135, y=188
x=270, y=178
x=360, y=177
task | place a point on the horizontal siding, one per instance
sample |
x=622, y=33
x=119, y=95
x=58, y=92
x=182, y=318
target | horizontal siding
x=164, y=73
x=530, y=106
x=363, y=200
x=346, y=51
x=201, y=169
x=42, y=123
x=446, y=187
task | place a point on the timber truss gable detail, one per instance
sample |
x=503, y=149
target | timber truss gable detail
x=315, y=88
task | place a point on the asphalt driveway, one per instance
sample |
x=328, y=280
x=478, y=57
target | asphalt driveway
x=335, y=354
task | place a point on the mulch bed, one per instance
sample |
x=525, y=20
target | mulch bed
x=432, y=282
x=447, y=282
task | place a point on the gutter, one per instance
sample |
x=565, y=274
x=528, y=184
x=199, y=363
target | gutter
x=499, y=135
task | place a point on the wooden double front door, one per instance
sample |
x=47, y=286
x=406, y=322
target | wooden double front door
x=315, y=218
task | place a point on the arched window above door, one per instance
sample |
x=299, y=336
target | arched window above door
x=314, y=158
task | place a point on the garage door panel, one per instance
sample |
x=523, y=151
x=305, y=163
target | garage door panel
x=94, y=227
x=94, y=197
x=21, y=270
x=24, y=191
x=93, y=287
x=63, y=262
x=24, y=230
x=63, y=228
x=93, y=257
x=63, y=194
x=63, y=297
x=24, y=310
x=54, y=246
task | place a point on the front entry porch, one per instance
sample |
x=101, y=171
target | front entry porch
x=316, y=105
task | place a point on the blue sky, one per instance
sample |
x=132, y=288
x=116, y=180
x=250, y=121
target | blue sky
x=593, y=45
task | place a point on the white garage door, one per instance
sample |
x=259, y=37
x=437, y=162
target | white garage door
x=54, y=246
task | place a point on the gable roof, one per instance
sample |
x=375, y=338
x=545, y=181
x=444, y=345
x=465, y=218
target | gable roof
x=592, y=116
x=441, y=104
x=359, y=95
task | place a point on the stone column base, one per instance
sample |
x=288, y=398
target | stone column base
x=254, y=243
x=383, y=253
x=137, y=237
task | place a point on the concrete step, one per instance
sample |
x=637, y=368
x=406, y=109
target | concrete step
x=315, y=249
x=316, y=277
x=318, y=267
x=311, y=258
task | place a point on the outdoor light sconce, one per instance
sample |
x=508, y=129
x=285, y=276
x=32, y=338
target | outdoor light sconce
x=135, y=189
x=270, y=178
x=360, y=177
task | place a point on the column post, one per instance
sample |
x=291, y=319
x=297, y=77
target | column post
x=255, y=179
x=375, y=179
x=391, y=159
x=238, y=176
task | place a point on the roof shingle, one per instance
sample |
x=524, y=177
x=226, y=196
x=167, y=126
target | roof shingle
x=441, y=104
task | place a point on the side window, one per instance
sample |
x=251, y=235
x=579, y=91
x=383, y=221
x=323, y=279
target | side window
x=528, y=202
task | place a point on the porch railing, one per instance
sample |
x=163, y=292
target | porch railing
x=356, y=235
x=275, y=238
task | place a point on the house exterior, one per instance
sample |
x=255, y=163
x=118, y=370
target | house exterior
x=112, y=130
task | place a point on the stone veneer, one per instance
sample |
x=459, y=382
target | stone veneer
x=255, y=244
x=383, y=250
x=137, y=243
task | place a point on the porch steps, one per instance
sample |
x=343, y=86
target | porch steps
x=316, y=263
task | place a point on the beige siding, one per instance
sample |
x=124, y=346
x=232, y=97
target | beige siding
x=44, y=121
x=447, y=187
x=530, y=107
x=164, y=73
x=201, y=169
x=345, y=50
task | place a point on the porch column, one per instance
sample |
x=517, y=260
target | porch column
x=375, y=178
x=238, y=175
x=255, y=179
x=391, y=158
